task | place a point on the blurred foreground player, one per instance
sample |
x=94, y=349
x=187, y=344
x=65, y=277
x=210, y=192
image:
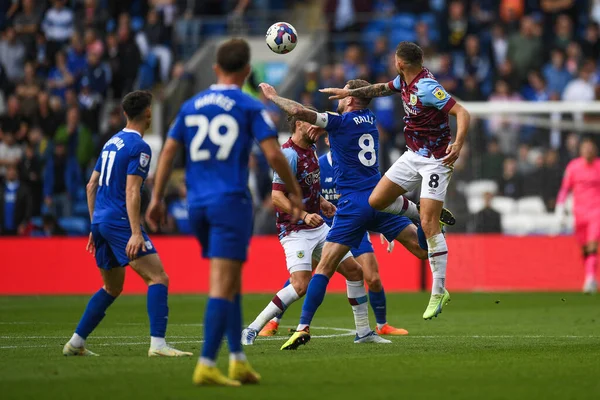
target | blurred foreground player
x=218, y=128
x=582, y=177
x=117, y=238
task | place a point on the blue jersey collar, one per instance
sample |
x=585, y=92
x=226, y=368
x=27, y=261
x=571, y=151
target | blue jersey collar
x=131, y=131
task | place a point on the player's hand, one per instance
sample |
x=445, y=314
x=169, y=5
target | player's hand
x=390, y=245
x=336, y=94
x=135, y=244
x=156, y=214
x=91, y=247
x=315, y=132
x=268, y=90
x=328, y=208
x=313, y=220
x=453, y=151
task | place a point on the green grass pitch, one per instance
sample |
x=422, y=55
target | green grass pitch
x=484, y=346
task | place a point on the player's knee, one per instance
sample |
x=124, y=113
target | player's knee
x=430, y=225
x=160, y=278
x=113, y=290
x=353, y=272
x=374, y=283
x=377, y=202
x=300, y=283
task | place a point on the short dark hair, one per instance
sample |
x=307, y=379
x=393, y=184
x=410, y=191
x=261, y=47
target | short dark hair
x=233, y=55
x=357, y=84
x=135, y=103
x=292, y=119
x=410, y=53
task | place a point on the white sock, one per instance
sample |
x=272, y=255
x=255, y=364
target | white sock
x=379, y=326
x=403, y=206
x=208, y=362
x=276, y=319
x=438, y=259
x=357, y=296
x=237, y=356
x=301, y=327
x=77, y=341
x=280, y=302
x=157, y=342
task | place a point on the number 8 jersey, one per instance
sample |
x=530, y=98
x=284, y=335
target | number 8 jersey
x=126, y=153
x=218, y=128
x=354, y=140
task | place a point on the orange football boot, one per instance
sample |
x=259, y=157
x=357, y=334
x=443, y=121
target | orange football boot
x=270, y=329
x=387, y=329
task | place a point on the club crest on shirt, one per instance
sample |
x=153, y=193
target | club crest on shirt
x=300, y=254
x=144, y=160
x=439, y=93
x=413, y=99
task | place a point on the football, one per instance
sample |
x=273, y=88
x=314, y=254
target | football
x=281, y=38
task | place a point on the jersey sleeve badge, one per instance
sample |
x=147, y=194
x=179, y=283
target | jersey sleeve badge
x=144, y=160
x=439, y=93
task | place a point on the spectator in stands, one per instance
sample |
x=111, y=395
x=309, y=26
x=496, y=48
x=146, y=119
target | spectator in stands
x=50, y=227
x=62, y=179
x=474, y=63
x=533, y=182
x=45, y=117
x=96, y=74
x=581, y=88
x=536, y=90
x=487, y=220
x=77, y=137
x=346, y=16
x=574, y=58
x=556, y=74
x=456, y=28
x=524, y=164
x=590, y=43
x=90, y=104
x=91, y=15
x=10, y=151
x=14, y=121
x=6, y=86
x=129, y=60
x=93, y=44
x=379, y=59
x=178, y=215
x=15, y=204
x=26, y=25
x=570, y=150
x=30, y=169
x=188, y=27
x=156, y=35
x=470, y=90
x=445, y=75
x=59, y=77
x=76, y=57
x=511, y=182
x=353, y=67
x=552, y=174
x=58, y=26
x=12, y=54
x=499, y=45
x=115, y=124
x=563, y=32
x=27, y=91
x=423, y=38
x=525, y=49
x=503, y=127
x=492, y=163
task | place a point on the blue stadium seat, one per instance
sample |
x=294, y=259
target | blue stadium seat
x=80, y=208
x=75, y=226
x=146, y=73
x=399, y=35
x=373, y=30
x=36, y=221
x=404, y=20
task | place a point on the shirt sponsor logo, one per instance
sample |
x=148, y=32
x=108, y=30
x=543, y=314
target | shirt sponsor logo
x=144, y=159
x=330, y=179
x=439, y=93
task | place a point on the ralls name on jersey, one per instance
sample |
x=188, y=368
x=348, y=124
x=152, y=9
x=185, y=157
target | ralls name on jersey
x=410, y=110
x=363, y=120
x=216, y=99
x=117, y=141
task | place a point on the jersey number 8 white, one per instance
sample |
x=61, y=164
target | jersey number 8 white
x=367, y=146
x=212, y=128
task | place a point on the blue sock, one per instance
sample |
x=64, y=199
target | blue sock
x=287, y=283
x=158, y=309
x=234, y=325
x=377, y=300
x=215, y=324
x=314, y=297
x=422, y=238
x=94, y=312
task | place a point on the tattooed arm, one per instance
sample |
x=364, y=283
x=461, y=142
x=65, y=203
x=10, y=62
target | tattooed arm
x=289, y=106
x=376, y=90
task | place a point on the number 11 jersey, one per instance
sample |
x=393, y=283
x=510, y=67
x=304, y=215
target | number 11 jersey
x=218, y=128
x=126, y=153
x=354, y=140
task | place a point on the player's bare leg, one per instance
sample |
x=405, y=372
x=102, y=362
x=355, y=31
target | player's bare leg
x=388, y=197
x=370, y=268
x=151, y=270
x=113, y=286
x=299, y=281
x=410, y=240
x=438, y=255
x=590, y=250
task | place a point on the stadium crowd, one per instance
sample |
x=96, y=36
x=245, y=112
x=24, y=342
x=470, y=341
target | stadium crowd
x=64, y=64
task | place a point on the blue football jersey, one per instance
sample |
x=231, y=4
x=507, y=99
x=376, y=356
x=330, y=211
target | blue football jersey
x=126, y=153
x=354, y=140
x=218, y=128
x=328, y=189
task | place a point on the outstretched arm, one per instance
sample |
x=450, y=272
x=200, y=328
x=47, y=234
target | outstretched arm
x=289, y=106
x=376, y=90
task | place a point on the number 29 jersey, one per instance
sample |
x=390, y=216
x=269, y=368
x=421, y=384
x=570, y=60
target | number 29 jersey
x=354, y=141
x=218, y=128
